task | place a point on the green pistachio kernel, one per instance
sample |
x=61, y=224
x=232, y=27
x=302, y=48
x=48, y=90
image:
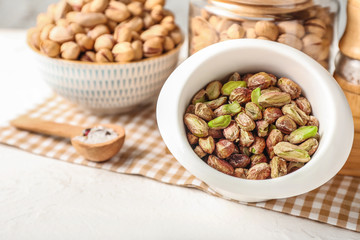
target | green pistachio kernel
x=230, y=86
x=220, y=122
x=302, y=133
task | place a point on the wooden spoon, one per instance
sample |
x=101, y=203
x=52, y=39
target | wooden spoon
x=98, y=152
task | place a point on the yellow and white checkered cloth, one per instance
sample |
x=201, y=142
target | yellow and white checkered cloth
x=144, y=153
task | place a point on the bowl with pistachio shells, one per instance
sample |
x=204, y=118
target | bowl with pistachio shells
x=106, y=56
x=255, y=120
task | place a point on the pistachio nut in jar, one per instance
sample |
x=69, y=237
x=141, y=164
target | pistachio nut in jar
x=307, y=25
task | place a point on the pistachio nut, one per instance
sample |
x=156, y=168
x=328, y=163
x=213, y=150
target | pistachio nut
x=213, y=90
x=220, y=165
x=246, y=138
x=278, y=167
x=274, y=99
x=45, y=31
x=88, y=56
x=117, y=11
x=216, y=103
x=138, y=49
x=154, y=31
x=315, y=26
x=134, y=24
x=259, y=171
x=295, y=114
x=302, y=133
x=123, y=52
x=271, y=114
x=304, y=105
x=292, y=27
x=153, y=47
x=98, y=5
x=150, y=4
x=204, y=112
x=258, y=158
x=260, y=80
x=104, y=55
x=168, y=22
x=313, y=121
x=239, y=160
x=228, y=109
x=147, y=19
x=136, y=8
x=266, y=29
x=198, y=150
x=50, y=48
x=224, y=148
x=235, y=31
x=291, y=152
x=293, y=166
x=192, y=139
x=220, y=122
x=230, y=86
x=290, y=87
x=262, y=128
x=85, y=42
x=157, y=13
x=240, y=94
x=311, y=39
x=285, y=124
x=234, y=77
x=176, y=36
x=310, y=146
x=62, y=8
x=275, y=136
x=168, y=43
x=70, y=50
x=86, y=19
x=122, y=34
x=207, y=144
x=253, y=111
x=76, y=28
x=258, y=146
x=240, y=173
x=61, y=34
x=200, y=96
x=196, y=125
x=245, y=122
x=34, y=37
x=97, y=31
x=270, y=89
x=290, y=40
x=255, y=94
x=104, y=41
x=231, y=132
x=216, y=133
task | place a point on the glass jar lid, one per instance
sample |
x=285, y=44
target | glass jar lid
x=260, y=8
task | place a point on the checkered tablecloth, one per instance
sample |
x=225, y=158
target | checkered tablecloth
x=144, y=153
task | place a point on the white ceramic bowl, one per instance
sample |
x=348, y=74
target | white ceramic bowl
x=328, y=102
x=108, y=88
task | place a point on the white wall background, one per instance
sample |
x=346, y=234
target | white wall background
x=22, y=13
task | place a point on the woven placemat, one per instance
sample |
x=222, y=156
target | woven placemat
x=144, y=153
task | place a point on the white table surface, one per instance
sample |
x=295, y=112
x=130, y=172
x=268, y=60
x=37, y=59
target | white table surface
x=42, y=198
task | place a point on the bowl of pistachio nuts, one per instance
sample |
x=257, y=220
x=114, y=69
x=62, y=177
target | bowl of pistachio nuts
x=106, y=56
x=255, y=120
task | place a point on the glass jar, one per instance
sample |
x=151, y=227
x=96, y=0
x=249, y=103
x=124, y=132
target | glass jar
x=307, y=25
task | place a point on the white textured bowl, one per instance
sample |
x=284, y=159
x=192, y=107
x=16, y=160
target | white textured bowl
x=108, y=88
x=328, y=102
